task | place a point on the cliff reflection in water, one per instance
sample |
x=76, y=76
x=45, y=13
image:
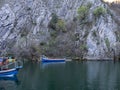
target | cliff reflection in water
x=104, y=75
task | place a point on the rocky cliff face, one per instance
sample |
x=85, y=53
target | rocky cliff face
x=57, y=28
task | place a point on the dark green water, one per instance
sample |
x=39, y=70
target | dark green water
x=90, y=75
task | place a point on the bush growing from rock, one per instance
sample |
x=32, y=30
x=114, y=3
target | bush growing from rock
x=82, y=12
x=99, y=11
x=60, y=26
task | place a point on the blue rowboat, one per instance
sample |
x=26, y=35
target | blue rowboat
x=52, y=60
x=11, y=69
x=9, y=72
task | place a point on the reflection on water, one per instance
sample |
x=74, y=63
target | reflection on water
x=7, y=83
x=90, y=75
x=104, y=75
x=50, y=64
x=14, y=78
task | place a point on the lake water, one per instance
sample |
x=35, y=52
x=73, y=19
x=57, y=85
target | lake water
x=90, y=75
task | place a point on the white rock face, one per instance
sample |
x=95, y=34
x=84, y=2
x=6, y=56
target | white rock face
x=105, y=34
x=7, y=18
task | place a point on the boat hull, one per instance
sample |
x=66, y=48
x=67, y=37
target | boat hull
x=52, y=60
x=8, y=73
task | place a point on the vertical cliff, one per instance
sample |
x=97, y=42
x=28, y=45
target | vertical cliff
x=85, y=28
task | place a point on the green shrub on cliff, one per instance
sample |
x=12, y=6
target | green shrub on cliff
x=56, y=26
x=99, y=11
x=82, y=12
x=60, y=26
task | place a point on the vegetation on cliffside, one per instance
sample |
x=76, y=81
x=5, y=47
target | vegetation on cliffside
x=73, y=29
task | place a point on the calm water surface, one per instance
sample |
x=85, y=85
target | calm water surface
x=90, y=75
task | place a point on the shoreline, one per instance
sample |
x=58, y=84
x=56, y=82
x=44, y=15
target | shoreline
x=88, y=59
x=98, y=59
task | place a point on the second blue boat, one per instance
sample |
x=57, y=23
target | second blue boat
x=52, y=60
